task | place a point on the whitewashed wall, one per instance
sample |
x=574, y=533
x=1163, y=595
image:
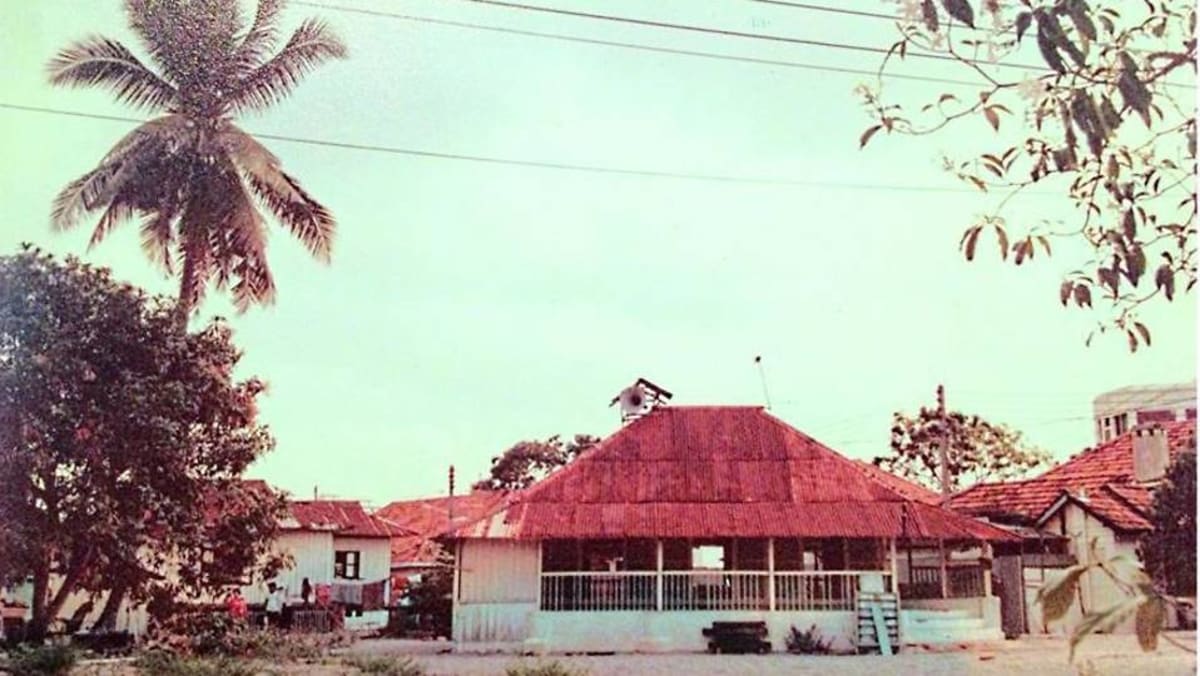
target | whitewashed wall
x=312, y=557
x=497, y=593
x=376, y=556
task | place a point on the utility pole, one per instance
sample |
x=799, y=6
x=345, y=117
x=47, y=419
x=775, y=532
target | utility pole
x=450, y=503
x=943, y=442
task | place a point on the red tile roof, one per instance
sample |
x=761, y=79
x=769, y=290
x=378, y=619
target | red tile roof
x=700, y=471
x=1104, y=473
x=429, y=518
x=346, y=518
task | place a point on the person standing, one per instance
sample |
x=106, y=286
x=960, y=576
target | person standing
x=275, y=599
x=236, y=605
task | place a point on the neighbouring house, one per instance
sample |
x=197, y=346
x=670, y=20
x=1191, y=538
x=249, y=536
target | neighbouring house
x=416, y=551
x=1102, y=495
x=1117, y=411
x=336, y=544
x=693, y=514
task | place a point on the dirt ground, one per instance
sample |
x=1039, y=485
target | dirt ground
x=1099, y=655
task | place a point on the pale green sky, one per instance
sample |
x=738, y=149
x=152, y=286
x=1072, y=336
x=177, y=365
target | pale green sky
x=472, y=305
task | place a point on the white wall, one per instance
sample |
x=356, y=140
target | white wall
x=312, y=558
x=375, y=560
x=498, y=571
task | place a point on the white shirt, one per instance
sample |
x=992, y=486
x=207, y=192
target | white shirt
x=275, y=601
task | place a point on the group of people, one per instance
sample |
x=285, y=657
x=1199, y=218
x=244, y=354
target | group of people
x=276, y=601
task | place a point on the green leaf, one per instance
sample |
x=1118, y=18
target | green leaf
x=1164, y=279
x=1024, y=20
x=930, y=15
x=1145, y=332
x=1133, y=344
x=1077, y=10
x=1056, y=597
x=992, y=118
x=866, y=136
x=1045, y=242
x=1103, y=620
x=961, y=10
x=1083, y=295
x=1002, y=238
x=1149, y=622
x=969, y=240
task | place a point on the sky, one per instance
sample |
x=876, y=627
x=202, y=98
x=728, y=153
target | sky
x=470, y=305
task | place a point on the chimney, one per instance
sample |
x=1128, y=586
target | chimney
x=1150, y=453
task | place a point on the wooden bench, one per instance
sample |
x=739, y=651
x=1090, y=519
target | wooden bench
x=737, y=637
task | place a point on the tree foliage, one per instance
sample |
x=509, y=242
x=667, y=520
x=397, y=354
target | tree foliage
x=122, y=441
x=977, y=450
x=1099, y=120
x=1169, y=550
x=527, y=461
x=195, y=180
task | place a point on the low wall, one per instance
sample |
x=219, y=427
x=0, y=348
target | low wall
x=985, y=607
x=652, y=631
x=488, y=623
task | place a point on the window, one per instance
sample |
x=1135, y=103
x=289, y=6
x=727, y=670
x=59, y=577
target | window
x=345, y=565
x=708, y=557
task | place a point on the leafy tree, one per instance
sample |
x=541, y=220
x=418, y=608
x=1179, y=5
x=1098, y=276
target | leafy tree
x=527, y=461
x=1098, y=121
x=194, y=178
x=122, y=441
x=1169, y=551
x=977, y=450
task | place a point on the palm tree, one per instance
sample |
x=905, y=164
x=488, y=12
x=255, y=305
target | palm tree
x=198, y=183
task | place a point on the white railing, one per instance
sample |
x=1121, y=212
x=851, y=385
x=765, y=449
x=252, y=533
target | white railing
x=819, y=590
x=715, y=590
x=704, y=590
x=623, y=590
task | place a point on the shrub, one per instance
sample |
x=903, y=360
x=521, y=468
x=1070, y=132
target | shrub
x=807, y=642
x=164, y=663
x=54, y=659
x=554, y=668
x=386, y=666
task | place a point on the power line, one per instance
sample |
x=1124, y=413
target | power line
x=732, y=33
x=537, y=164
x=634, y=46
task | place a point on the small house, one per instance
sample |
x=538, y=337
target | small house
x=690, y=515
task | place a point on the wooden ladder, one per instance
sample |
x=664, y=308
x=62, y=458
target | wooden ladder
x=878, y=622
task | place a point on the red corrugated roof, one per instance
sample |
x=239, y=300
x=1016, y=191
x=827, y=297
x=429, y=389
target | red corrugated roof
x=429, y=518
x=700, y=471
x=343, y=517
x=906, y=488
x=1105, y=473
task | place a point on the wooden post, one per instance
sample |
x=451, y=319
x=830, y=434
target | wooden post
x=943, y=451
x=894, y=566
x=771, y=574
x=987, y=571
x=942, y=561
x=541, y=553
x=658, y=579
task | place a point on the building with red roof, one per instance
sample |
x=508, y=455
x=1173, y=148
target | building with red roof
x=1099, y=501
x=694, y=514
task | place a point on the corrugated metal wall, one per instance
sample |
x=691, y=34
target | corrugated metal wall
x=498, y=571
x=312, y=557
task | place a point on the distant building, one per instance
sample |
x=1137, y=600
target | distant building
x=1118, y=411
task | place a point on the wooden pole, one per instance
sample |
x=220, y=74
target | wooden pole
x=771, y=574
x=942, y=560
x=943, y=443
x=658, y=566
x=895, y=567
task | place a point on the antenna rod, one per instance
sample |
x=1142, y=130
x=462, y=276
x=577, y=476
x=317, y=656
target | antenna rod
x=762, y=376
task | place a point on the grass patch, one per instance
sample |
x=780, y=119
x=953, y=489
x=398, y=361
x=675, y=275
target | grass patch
x=53, y=659
x=386, y=666
x=553, y=668
x=163, y=663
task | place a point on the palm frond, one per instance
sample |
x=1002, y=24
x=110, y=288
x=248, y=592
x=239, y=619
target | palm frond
x=120, y=209
x=158, y=234
x=100, y=62
x=97, y=188
x=259, y=40
x=307, y=220
x=194, y=251
x=311, y=45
